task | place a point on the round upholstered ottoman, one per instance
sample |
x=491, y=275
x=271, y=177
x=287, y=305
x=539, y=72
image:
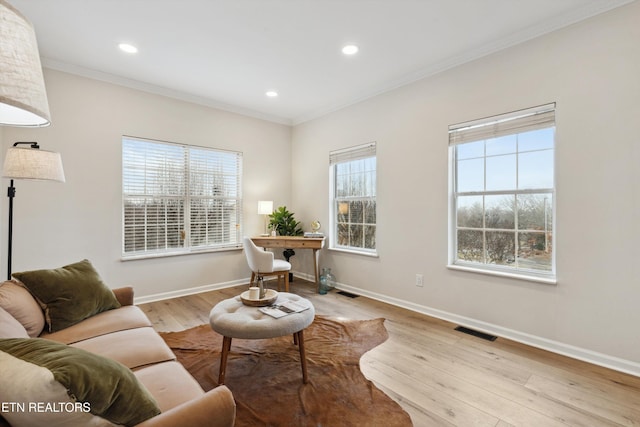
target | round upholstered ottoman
x=233, y=319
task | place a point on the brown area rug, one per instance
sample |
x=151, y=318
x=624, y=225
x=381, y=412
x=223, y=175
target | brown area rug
x=266, y=379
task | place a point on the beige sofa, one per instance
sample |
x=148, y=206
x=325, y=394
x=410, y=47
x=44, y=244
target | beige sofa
x=122, y=334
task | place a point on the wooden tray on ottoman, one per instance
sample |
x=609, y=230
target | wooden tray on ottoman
x=269, y=298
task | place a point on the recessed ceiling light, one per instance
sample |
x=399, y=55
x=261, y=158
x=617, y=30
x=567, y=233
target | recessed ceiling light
x=350, y=49
x=271, y=93
x=129, y=48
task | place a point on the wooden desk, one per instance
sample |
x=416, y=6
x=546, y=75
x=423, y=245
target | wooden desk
x=294, y=242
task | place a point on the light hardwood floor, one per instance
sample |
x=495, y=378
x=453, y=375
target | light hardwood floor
x=443, y=377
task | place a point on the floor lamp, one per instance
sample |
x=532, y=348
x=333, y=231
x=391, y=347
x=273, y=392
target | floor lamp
x=23, y=103
x=28, y=163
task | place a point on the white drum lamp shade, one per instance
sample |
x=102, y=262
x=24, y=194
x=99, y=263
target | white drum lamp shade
x=29, y=163
x=265, y=207
x=23, y=98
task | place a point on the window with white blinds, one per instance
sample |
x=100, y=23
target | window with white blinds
x=503, y=194
x=179, y=199
x=353, y=199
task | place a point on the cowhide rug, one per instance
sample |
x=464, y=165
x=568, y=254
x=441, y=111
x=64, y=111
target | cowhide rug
x=266, y=379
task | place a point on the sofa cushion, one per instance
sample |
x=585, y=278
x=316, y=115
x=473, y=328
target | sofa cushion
x=79, y=383
x=169, y=383
x=69, y=294
x=10, y=327
x=133, y=348
x=17, y=300
x=121, y=319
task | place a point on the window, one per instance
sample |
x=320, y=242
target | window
x=353, y=199
x=179, y=199
x=503, y=204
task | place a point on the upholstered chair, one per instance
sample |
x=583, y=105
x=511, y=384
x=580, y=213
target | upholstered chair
x=262, y=263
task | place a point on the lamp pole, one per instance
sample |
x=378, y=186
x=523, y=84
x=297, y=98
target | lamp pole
x=11, y=193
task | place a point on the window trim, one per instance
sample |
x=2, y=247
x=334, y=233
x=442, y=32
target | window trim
x=185, y=197
x=358, y=152
x=495, y=271
x=539, y=117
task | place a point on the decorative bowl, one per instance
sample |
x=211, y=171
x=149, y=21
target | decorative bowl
x=269, y=298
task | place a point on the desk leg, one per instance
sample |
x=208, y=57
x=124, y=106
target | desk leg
x=315, y=267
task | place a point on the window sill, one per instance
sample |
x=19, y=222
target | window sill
x=510, y=275
x=354, y=252
x=177, y=253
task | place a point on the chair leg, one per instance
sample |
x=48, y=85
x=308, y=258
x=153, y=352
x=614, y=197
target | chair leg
x=286, y=281
x=226, y=346
x=303, y=357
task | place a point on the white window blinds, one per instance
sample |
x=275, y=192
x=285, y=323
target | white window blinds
x=353, y=153
x=506, y=124
x=179, y=198
x=215, y=204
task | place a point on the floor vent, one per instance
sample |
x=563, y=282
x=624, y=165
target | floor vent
x=478, y=334
x=348, y=294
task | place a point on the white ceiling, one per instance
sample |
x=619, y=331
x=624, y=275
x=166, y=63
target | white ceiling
x=228, y=53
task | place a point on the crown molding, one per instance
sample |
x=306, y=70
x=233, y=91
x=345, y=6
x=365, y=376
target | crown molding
x=159, y=90
x=590, y=10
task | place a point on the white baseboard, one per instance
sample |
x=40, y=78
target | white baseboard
x=600, y=359
x=189, y=291
x=205, y=288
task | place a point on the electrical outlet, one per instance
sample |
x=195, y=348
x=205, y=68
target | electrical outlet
x=419, y=280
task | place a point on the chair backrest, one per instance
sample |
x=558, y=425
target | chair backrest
x=260, y=261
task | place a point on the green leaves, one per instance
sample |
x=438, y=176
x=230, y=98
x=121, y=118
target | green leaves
x=284, y=223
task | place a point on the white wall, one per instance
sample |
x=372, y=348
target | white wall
x=592, y=71
x=56, y=224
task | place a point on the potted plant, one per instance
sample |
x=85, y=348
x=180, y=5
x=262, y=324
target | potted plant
x=285, y=224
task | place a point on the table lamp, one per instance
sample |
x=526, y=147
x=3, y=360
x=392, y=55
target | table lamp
x=265, y=208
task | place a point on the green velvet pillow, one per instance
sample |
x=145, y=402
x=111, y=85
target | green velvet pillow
x=80, y=385
x=69, y=294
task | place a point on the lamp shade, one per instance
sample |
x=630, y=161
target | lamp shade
x=265, y=207
x=23, y=98
x=32, y=163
